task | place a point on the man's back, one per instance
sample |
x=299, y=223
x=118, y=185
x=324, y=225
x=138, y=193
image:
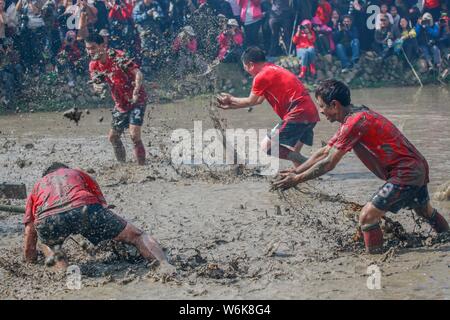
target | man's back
x=286, y=94
x=60, y=191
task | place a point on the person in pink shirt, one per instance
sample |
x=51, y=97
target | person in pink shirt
x=185, y=48
x=251, y=18
x=230, y=42
x=186, y=40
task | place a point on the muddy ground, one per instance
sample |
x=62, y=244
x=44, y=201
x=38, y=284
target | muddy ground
x=228, y=235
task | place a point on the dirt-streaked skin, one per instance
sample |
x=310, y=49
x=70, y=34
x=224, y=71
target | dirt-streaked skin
x=224, y=232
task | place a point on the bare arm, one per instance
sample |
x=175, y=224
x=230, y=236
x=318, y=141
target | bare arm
x=323, y=164
x=29, y=245
x=138, y=79
x=19, y=5
x=326, y=164
x=316, y=157
x=227, y=101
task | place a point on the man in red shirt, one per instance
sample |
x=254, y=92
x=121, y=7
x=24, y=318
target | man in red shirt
x=67, y=202
x=383, y=149
x=125, y=80
x=289, y=99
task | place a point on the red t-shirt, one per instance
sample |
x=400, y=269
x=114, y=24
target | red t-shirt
x=120, y=81
x=431, y=4
x=323, y=12
x=303, y=41
x=381, y=147
x=60, y=191
x=286, y=94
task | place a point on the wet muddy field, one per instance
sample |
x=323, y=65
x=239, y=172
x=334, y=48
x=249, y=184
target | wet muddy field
x=227, y=234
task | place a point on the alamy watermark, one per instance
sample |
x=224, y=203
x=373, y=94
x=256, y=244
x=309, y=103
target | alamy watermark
x=374, y=279
x=240, y=147
x=73, y=280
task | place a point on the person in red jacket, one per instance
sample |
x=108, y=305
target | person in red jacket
x=383, y=149
x=121, y=11
x=289, y=99
x=304, y=41
x=324, y=11
x=67, y=202
x=230, y=42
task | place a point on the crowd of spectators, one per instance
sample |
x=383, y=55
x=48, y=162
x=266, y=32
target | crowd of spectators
x=42, y=36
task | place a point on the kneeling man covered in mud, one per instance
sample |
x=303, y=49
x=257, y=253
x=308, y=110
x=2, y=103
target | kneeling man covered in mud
x=68, y=201
x=383, y=149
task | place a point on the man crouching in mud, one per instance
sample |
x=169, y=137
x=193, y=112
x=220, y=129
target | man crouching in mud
x=383, y=149
x=68, y=201
x=125, y=80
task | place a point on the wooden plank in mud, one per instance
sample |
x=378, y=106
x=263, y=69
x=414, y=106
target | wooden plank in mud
x=13, y=191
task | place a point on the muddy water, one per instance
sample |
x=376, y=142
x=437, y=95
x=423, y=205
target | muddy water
x=302, y=250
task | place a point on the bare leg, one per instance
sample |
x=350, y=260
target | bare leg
x=139, y=150
x=434, y=218
x=285, y=153
x=369, y=221
x=119, y=149
x=147, y=245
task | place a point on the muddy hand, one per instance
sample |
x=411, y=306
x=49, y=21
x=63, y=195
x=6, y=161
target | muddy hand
x=224, y=99
x=286, y=182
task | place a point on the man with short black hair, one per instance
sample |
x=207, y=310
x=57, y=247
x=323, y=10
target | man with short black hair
x=112, y=67
x=289, y=99
x=383, y=149
x=68, y=201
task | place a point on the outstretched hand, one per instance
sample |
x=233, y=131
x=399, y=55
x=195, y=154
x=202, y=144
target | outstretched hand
x=224, y=101
x=286, y=181
x=283, y=173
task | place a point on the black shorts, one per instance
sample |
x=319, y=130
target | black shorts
x=122, y=120
x=289, y=133
x=93, y=222
x=393, y=197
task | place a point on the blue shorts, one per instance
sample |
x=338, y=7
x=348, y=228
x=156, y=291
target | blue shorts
x=93, y=222
x=122, y=120
x=393, y=197
x=289, y=133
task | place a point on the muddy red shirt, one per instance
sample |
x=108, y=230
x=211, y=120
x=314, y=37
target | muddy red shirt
x=60, y=191
x=431, y=4
x=286, y=94
x=381, y=147
x=119, y=80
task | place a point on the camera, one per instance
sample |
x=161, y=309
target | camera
x=425, y=23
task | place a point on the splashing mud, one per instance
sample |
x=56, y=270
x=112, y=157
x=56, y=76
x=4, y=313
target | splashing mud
x=226, y=233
